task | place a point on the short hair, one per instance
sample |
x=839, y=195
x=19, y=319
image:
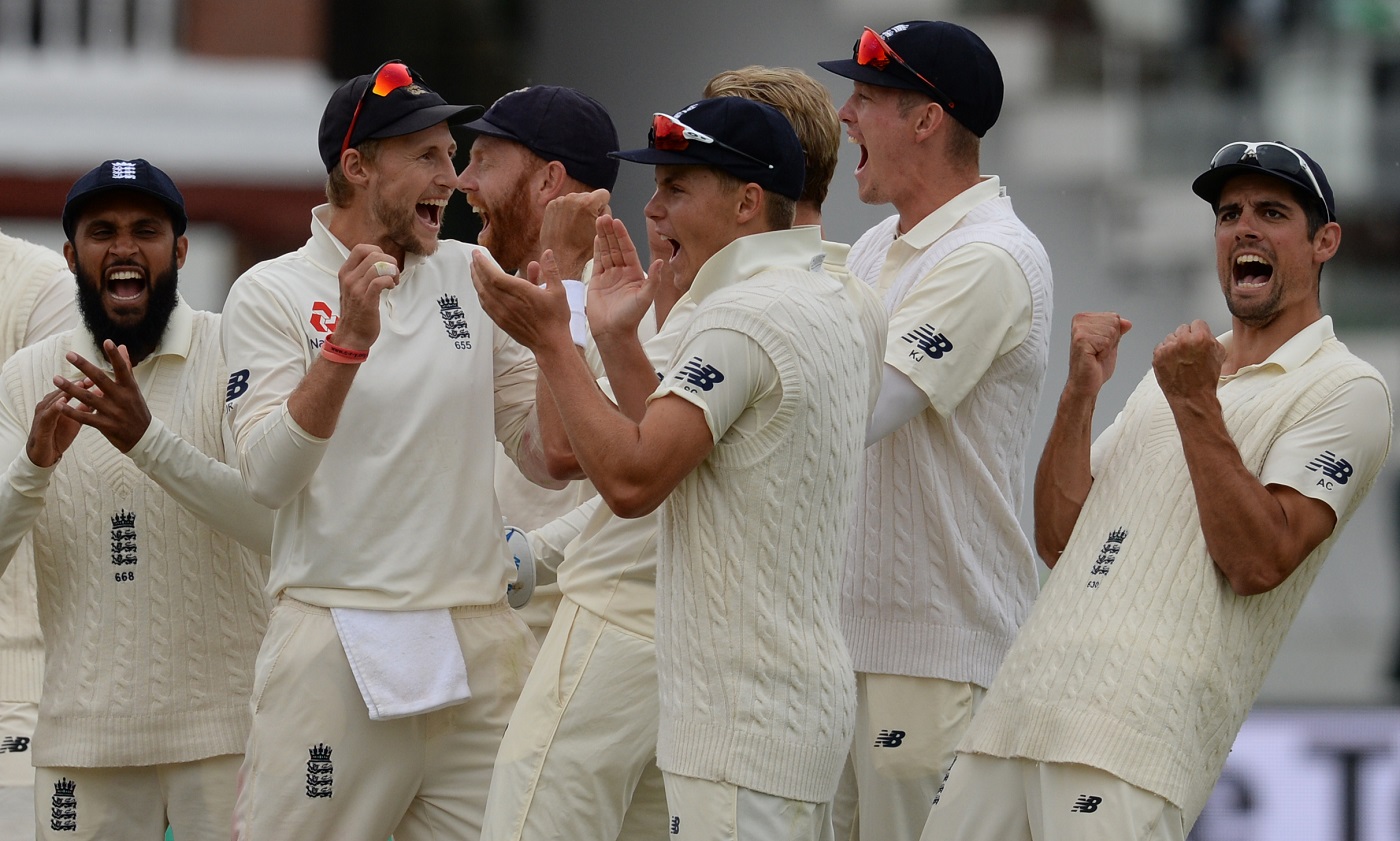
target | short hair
x=779, y=211
x=805, y=103
x=338, y=189
x=964, y=147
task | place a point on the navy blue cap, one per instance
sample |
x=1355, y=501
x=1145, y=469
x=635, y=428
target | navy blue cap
x=136, y=175
x=401, y=110
x=557, y=124
x=754, y=142
x=1270, y=158
x=952, y=58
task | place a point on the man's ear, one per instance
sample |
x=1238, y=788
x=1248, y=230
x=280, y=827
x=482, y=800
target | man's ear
x=354, y=167
x=551, y=181
x=749, y=203
x=928, y=118
x=71, y=255
x=1327, y=241
x=182, y=247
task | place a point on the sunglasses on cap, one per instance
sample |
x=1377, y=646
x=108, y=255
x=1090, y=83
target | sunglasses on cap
x=390, y=76
x=872, y=50
x=671, y=135
x=1271, y=157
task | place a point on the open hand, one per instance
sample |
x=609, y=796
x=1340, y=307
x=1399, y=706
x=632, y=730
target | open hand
x=620, y=291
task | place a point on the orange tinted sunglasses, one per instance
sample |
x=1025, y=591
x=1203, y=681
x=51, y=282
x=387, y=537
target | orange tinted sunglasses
x=390, y=76
x=672, y=135
x=874, y=51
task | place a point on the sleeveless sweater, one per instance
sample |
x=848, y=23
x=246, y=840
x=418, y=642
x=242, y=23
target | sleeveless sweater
x=1139, y=659
x=939, y=573
x=756, y=684
x=151, y=618
x=24, y=269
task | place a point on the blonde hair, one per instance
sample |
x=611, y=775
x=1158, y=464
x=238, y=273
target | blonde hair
x=805, y=103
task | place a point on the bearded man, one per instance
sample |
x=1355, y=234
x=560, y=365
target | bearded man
x=151, y=612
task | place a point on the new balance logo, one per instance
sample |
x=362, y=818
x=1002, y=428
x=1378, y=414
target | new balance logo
x=1337, y=469
x=702, y=376
x=675, y=825
x=125, y=170
x=63, y=808
x=890, y=739
x=319, y=772
x=237, y=385
x=930, y=343
x=14, y=744
x=1087, y=803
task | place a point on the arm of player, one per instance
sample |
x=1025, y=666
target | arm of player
x=211, y=490
x=633, y=465
x=1257, y=535
x=26, y=481
x=282, y=412
x=549, y=541
x=1063, y=479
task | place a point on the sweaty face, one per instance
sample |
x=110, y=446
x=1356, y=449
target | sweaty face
x=410, y=182
x=693, y=211
x=497, y=186
x=126, y=258
x=1264, y=257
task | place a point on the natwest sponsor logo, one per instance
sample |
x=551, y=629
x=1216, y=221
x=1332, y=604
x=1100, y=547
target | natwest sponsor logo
x=323, y=318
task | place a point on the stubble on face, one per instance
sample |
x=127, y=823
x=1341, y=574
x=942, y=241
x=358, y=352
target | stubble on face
x=399, y=224
x=513, y=232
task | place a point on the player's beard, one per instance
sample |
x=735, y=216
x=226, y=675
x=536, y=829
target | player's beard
x=401, y=226
x=510, y=220
x=140, y=338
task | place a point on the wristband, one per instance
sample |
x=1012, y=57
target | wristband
x=578, y=323
x=343, y=355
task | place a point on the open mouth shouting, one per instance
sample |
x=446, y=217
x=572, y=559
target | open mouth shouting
x=1251, y=271
x=125, y=284
x=430, y=212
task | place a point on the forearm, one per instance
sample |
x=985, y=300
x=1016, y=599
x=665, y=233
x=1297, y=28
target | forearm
x=211, y=490
x=1063, y=478
x=606, y=442
x=630, y=374
x=277, y=459
x=1246, y=529
x=22, y=491
x=558, y=453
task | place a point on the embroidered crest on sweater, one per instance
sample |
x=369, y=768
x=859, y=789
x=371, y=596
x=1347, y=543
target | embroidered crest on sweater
x=1108, y=554
x=319, y=772
x=455, y=322
x=124, y=543
x=63, y=813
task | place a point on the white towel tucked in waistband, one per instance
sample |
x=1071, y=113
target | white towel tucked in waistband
x=405, y=661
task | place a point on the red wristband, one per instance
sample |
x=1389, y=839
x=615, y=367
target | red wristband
x=343, y=355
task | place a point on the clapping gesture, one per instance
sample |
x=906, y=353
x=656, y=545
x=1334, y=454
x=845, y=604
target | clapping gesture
x=113, y=405
x=620, y=291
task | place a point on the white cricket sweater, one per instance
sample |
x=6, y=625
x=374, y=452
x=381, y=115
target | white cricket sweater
x=1139, y=659
x=756, y=684
x=25, y=268
x=151, y=618
x=940, y=574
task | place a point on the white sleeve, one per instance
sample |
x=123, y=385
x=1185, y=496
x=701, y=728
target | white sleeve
x=24, y=484
x=208, y=488
x=549, y=541
x=899, y=402
x=264, y=352
x=55, y=310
